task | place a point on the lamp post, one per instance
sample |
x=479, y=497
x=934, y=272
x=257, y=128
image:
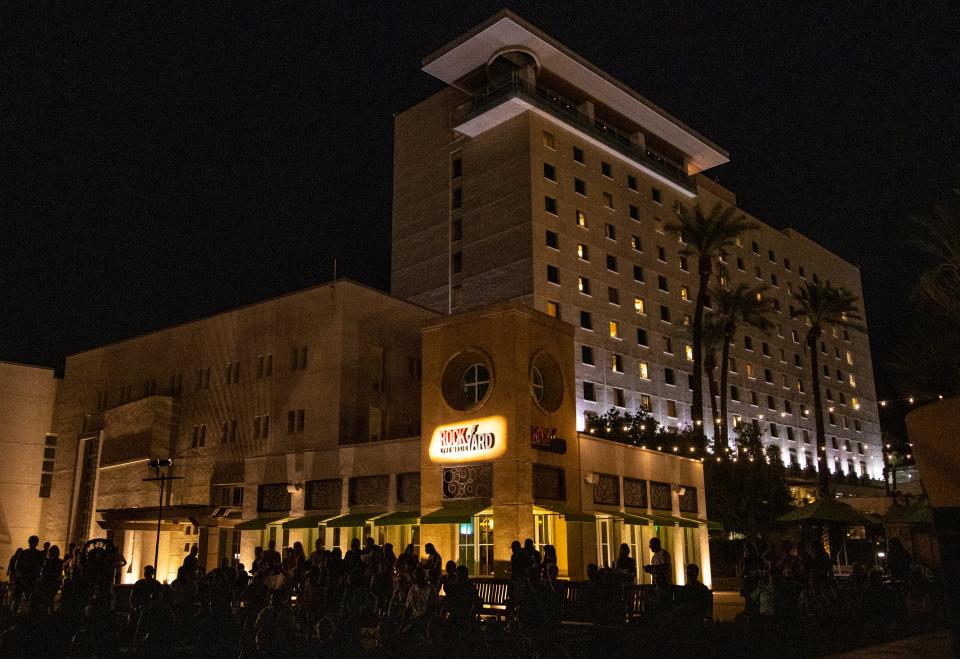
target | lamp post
x=156, y=464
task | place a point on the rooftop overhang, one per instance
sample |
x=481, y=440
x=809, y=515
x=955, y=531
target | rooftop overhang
x=506, y=30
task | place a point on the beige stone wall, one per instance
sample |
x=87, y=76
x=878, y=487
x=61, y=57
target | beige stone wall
x=27, y=399
x=338, y=324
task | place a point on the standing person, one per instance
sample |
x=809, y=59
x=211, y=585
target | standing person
x=749, y=570
x=28, y=566
x=661, y=565
x=626, y=566
x=51, y=575
x=142, y=592
x=519, y=561
x=257, y=560
x=531, y=549
x=550, y=558
x=271, y=553
x=433, y=565
x=898, y=560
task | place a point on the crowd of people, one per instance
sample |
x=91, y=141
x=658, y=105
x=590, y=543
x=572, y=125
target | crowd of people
x=371, y=599
x=785, y=584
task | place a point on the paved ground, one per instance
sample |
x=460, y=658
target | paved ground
x=726, y=605
x=936, y=644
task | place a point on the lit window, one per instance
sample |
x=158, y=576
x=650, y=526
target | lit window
x=685, y=293
x=619, y=400
x=688, y=351
x=614, y=329
x=636, y=243
x=616, y=363
x=583, y=285
x=646, y=403
x=737, y=420
x=749, y=369
x=638, y=305
x=583, y=252
x=855, y=402
x=581, y=219
x=849, y=357
x=852, y=379
x=644, y=371
x=553, y=309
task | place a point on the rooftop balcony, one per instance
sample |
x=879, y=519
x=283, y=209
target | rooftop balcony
x=506, y=98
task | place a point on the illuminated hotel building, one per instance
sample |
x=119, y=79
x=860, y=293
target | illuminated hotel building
x=534, y=176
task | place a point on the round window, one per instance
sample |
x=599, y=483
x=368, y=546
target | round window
x=467, y=379
x=475, y=382
x=546, y=382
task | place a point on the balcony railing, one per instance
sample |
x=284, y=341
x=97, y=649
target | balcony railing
x=555, y=104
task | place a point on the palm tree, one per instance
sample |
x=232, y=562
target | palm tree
x=706, y=238
x=823, y=306
x=744, y=305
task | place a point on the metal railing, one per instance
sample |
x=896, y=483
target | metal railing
x=555, y=104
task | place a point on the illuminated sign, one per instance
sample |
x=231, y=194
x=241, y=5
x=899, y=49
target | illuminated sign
x=469, y=441
x=545, y=439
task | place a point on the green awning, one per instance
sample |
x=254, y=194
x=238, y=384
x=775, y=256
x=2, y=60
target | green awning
x=629, y=518
x=398, y=518
x=455, y=513
x=351, y=519
x=258, y=523
x=711, y=526
x=568, y=514
x=307, y=521
x=669, y=520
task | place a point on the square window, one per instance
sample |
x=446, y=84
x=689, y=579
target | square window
x=610, y=231
x=639, y=306
x=658, y=224
x=683, y=264
x=550, y=205
x=606, y=169
x=583, y=285
x=578, y=155
x=685, y=293
x=586, y=321
x=668, y=345
x=580, y=186
x=619, y=400
x=655, y=195
x=548, y=140
x=771, y=256
x=636, y=243
x=661, y=254
x=613, y=295
x=664, y=313
x=747, y=343
x=611, y=263
x=552, y=239
x=632, y=182
x=688, y=352
x=644, y=370
x=608, y=200
x=549, y=172
x=456, y=200
x=614, y=327
x=456, y=262
x=755, y=246
x=553, y=309
x=642, y=338
x=589, y=391
x=634, y=213
x=456, y=230
x=586, y=355
x=662, y=283
x=740, y=263
x=581, y=219
x=638, y=273
x=583, y=252
x=616, y=363
x=669, y=376
x=456, y=168
x=672, y=409
x=734, y=392
x=748, y=369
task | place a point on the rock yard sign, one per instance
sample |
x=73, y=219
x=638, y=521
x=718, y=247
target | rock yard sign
x=470, y=441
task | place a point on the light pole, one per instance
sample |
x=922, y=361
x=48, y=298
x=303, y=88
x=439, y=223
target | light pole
x=156, y=464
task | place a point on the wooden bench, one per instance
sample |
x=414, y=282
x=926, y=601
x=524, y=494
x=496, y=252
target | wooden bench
x=494, y=596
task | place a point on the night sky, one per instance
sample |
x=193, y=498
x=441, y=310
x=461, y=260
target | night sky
x=161, y=162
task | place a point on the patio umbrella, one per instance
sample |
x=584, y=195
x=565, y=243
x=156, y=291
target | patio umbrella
x=828, y=511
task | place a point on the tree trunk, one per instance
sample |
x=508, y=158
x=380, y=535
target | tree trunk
x=696, y=411
x=823, y=469
x=724, y=391
x=710, y=366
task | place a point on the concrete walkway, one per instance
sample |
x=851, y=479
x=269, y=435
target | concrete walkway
x=937, y=644
x=726, y=605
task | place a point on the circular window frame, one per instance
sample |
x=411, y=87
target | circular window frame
x=551, y=379
x=453, y=374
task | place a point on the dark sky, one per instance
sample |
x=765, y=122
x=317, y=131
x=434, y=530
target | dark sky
x=162, y=161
